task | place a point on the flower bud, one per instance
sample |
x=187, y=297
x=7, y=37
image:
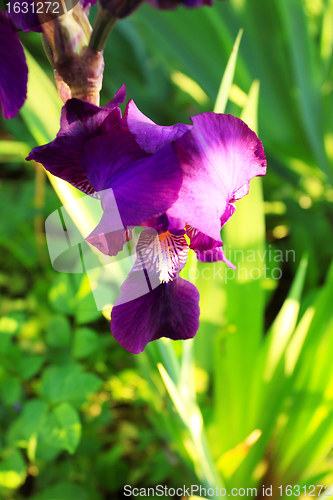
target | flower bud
x=78, y=68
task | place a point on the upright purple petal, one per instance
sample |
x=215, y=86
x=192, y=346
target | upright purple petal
x=149, y=136
x=218, y=156
x=144, y=186
x=13, y=70
x=170, y=310
x=80, y=121
x=118, y=99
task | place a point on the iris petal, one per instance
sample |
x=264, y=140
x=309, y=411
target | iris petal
x=170, y=310
x=80, y=121
x=14, y=71
x=149, y=136
x=218, y=156
x=207, y=249
x=144, y=186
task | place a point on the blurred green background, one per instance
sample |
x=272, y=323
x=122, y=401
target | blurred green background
x=249, y=402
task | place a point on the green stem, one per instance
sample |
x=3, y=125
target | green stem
x=103, y=25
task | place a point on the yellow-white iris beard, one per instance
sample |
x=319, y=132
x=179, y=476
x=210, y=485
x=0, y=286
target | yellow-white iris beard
x=171, y=255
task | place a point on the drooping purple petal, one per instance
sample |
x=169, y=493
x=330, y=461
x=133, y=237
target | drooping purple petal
x=218, y=156
x=144, y=186
x=80, y=121
x=13, y=70
x=159, y=258
x=149, y=136
x=170, y=310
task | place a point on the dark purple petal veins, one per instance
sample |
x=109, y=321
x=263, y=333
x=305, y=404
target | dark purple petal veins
x=149, y=136
x=218, y=157
x=13, y=70
x=161, y=255
x=200, y=241
x=170, y=310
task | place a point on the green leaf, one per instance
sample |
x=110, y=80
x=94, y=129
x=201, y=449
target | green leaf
x=228, y=76
x=11, y=391
x=8, y=327
x=23, y=431
x=67, y=383
x=41, y=110
x=86, y=342
x=63, y=491
x=58, y=333
x=62, y=428
x=34, y=411
x=12, y=470
x=62, y=295
x=285, y=322
x=13, y=151
x=30, y=366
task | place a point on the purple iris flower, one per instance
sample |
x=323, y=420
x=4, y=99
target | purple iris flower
x=13, y=70
x=173, y=181
x=218, y=155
